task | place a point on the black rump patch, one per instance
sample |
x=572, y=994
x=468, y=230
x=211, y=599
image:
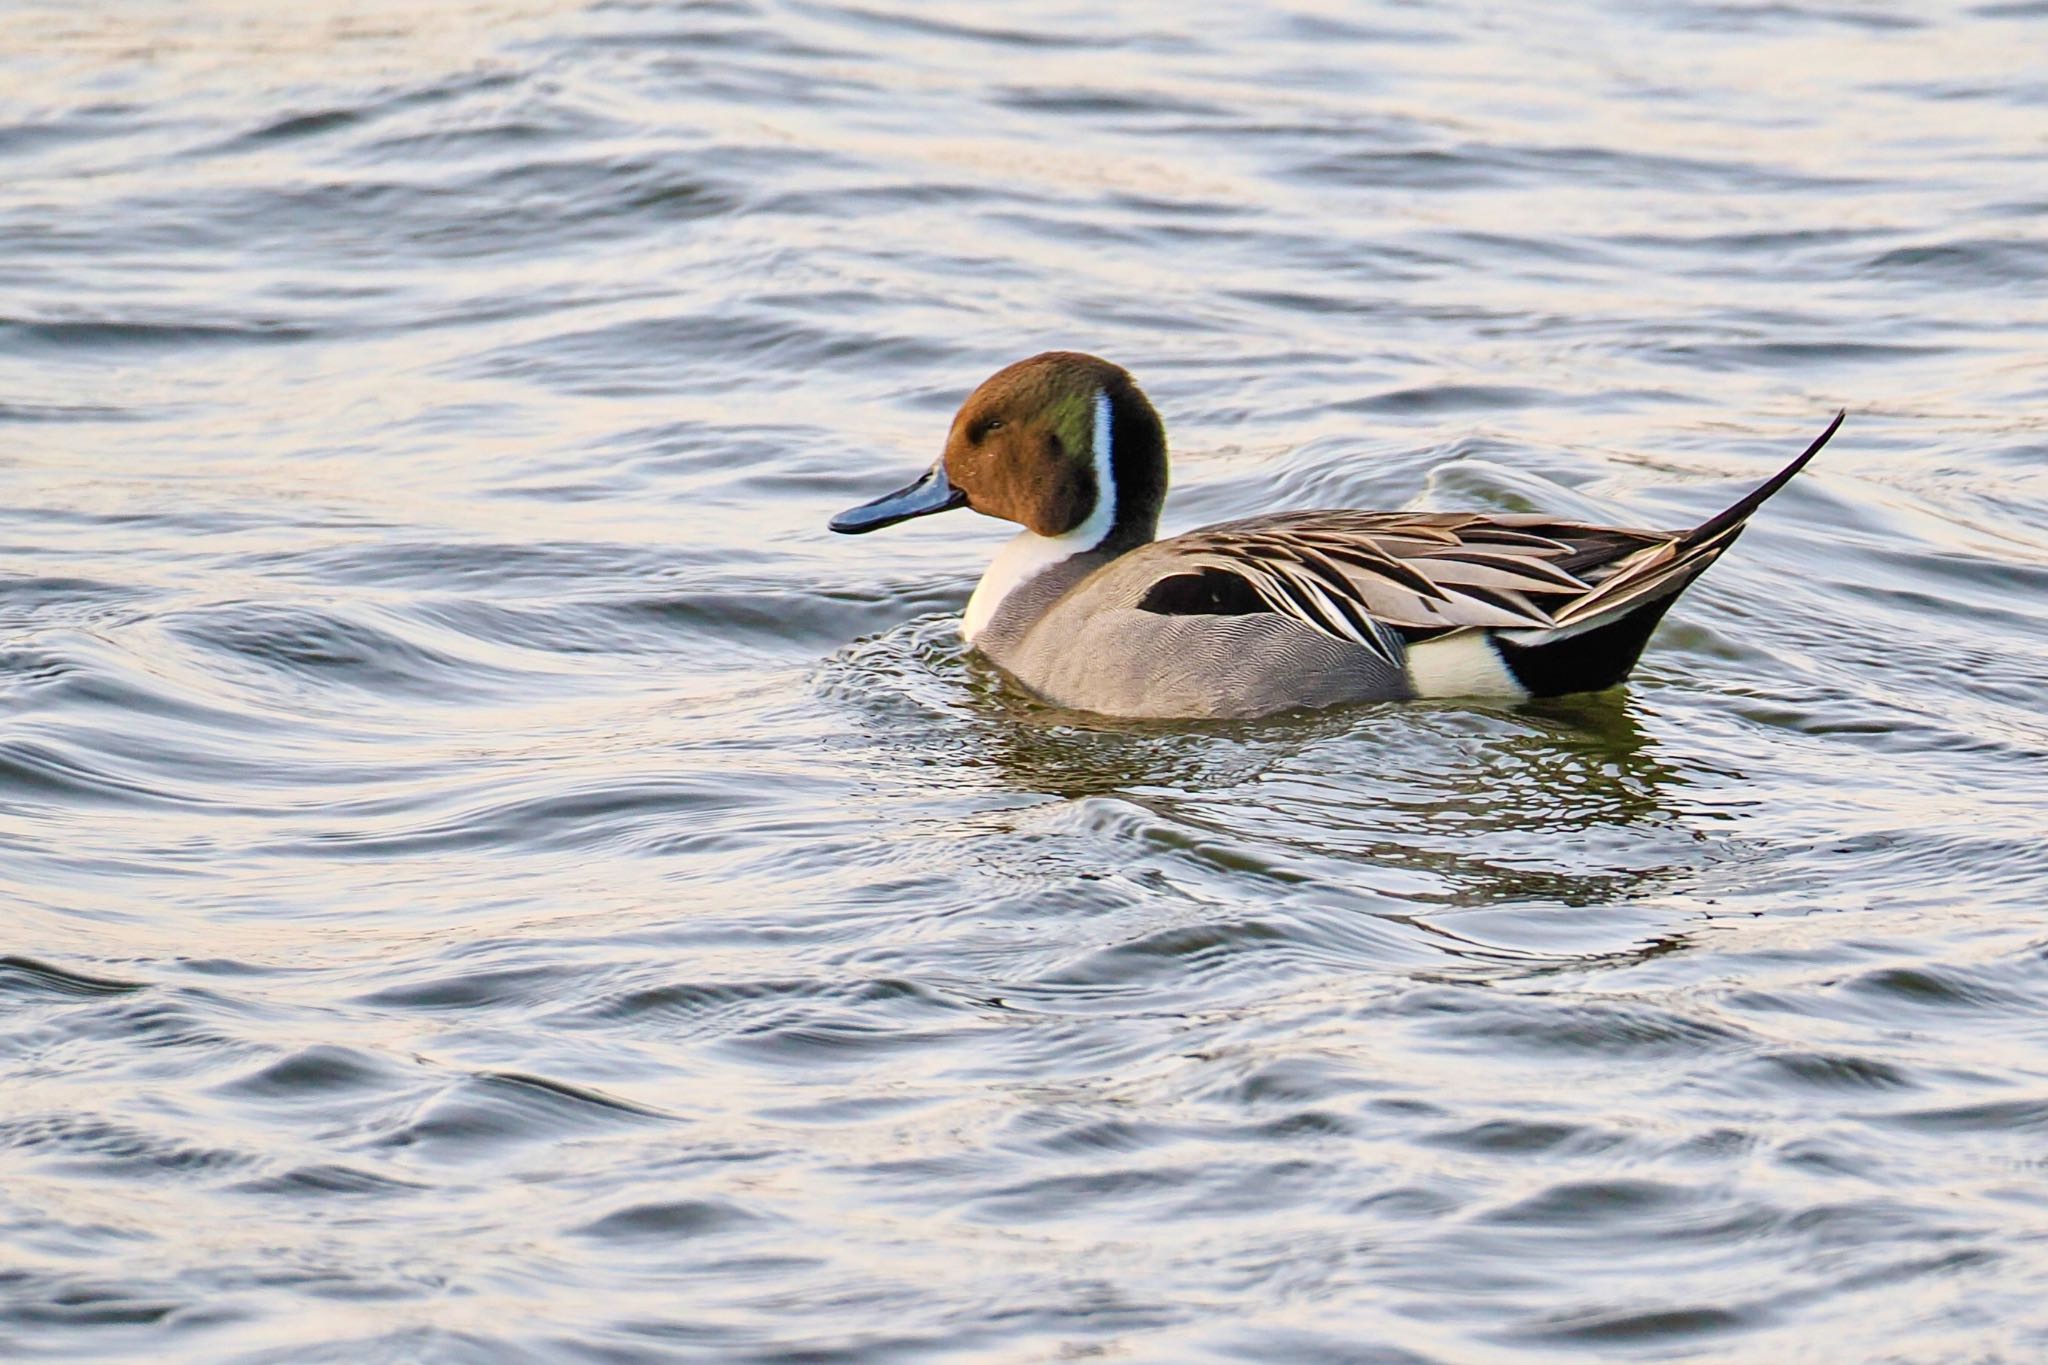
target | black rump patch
x=1597, y=659
x=1211, y=592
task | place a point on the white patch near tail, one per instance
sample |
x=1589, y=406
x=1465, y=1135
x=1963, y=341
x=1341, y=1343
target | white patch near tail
x=1463, y=665
x=1029, y=554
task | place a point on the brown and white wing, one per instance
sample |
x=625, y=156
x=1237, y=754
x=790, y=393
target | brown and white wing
x=1387, y=579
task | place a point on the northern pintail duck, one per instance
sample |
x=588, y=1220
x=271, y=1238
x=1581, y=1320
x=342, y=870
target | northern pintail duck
x=1296, y=609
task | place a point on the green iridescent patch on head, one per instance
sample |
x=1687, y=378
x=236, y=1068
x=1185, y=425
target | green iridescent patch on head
x=1071, y=418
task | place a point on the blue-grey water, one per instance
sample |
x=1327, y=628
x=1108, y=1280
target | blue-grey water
x=484, y=876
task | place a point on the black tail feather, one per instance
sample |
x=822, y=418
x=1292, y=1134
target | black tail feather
x=1723, y=521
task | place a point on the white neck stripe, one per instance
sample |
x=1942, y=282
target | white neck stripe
x=1094, y=529
x=1029, y=554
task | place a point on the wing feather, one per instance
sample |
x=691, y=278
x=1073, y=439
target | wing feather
x=1379, y=578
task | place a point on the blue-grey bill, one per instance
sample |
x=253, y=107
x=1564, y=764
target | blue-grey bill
x=931, y=493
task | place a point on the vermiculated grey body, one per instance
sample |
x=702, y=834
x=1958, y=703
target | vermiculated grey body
x=1077, y=637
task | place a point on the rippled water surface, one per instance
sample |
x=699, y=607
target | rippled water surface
x=487, y=877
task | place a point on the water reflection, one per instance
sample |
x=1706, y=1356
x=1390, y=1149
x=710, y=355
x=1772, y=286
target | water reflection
x=1501, y=834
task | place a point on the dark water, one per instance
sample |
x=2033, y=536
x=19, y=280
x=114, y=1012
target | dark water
x=486, y=877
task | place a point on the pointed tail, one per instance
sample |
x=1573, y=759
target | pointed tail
x=1721, y=523
x=1597, y=638
x=1661, y=573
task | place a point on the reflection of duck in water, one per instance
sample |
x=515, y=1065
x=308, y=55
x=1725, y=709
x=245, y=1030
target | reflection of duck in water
x=1566, y=800
x=1414, y=815
x=1042, y=748
x=1272, y=613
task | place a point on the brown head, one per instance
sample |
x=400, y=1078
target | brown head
x=1062, y=443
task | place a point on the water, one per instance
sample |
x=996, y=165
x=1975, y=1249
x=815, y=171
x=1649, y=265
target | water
x=487, y=877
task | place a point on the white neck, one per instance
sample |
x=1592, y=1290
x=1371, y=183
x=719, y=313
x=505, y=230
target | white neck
x=1029, y=554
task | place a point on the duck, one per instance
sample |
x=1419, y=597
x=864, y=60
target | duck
x=1089, y=610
